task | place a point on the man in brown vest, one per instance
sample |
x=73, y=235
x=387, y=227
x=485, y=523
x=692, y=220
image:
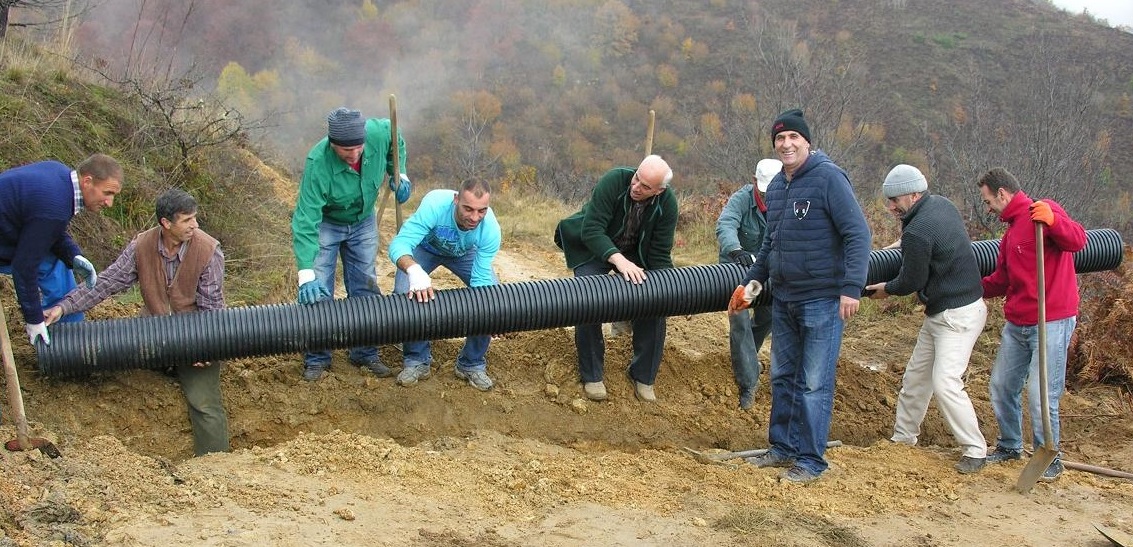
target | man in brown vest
x=180, y=269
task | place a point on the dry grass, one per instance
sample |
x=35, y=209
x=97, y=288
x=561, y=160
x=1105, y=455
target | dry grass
x=767, y=527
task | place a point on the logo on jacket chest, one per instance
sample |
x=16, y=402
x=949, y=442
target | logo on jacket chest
x=802, y=207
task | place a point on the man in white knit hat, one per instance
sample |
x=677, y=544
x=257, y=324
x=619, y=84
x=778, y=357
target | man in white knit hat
x=739, y=233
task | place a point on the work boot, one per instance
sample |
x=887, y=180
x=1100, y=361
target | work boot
x=595, y=391
x=968, y=464
x=478, y=379
x=1053, y=471
x=1000, y=455
x=747, y=398
x=376, y=366
x=411, y=374
x=313, y=373
x=769, y=459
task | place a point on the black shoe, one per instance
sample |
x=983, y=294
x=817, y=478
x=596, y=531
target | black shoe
x=377, y=367
x=1001, y=454
x=1053, y=471
x=313, y=373
x=968, y=464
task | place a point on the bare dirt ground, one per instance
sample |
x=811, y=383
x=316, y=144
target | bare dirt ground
x=357, y=460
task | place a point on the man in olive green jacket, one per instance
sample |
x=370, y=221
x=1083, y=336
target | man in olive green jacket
x=627, y=225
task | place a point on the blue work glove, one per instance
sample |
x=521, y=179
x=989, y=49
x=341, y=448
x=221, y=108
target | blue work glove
x=85, y=269
x=311, y=290
x=402, y=190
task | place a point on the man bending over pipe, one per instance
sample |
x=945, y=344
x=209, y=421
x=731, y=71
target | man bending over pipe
x=180, y=269
x=456, y=229
x=628, y=225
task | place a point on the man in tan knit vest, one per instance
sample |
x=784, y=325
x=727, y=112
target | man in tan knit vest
x=179, y=269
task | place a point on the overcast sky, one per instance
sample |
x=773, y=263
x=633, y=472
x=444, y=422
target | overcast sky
x=1117, y=12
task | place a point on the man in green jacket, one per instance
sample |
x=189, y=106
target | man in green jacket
x=627, y=225
x=334, y=215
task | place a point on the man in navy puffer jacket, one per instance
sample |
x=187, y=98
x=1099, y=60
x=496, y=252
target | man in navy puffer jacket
x=815, y=257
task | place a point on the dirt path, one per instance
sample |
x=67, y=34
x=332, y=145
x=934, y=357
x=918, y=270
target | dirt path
x=355, y=460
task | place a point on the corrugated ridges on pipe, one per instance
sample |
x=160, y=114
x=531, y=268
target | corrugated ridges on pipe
x=157, y=342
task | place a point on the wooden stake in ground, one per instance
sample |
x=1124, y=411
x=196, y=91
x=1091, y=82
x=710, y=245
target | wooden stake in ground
x=621, y=327
x=384, y=190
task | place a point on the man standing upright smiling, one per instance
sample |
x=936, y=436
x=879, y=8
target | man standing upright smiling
x=815, y=255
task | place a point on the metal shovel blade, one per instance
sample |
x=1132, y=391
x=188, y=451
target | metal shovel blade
x=1117, y=537
x=39, y=443
x=1038, y=463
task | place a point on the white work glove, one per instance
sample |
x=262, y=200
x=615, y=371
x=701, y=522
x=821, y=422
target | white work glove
x=38, y=330
x=752, y=290
x=305, y=276
x=85, y=269
x=418, y=279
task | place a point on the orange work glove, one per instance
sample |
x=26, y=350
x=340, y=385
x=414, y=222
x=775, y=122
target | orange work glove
x=743, y=296
x=1040, y=212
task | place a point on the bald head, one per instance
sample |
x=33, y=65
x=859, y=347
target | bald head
x=651, y=178
x=655, y=170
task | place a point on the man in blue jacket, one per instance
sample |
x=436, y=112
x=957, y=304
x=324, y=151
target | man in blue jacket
x=739, y=233
x=815, y=257
x=37, y=202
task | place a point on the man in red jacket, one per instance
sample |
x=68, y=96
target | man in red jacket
x=1016, y=278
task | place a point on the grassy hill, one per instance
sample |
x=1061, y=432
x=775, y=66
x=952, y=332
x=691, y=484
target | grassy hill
x=549, y=95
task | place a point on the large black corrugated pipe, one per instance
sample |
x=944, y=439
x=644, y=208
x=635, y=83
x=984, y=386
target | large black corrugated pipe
x=157, y=342
x=1104, y=251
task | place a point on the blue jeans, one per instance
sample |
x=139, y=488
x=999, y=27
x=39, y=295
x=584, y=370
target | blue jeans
x=746, y=332
x=808, y=337
x=648, y=341
x=1016, y=365
x=419, y=352
x=55, y=281
x=358, y=245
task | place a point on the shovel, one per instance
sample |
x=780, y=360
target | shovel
x=720, y=457
x=1044, y=455
x=22, y=441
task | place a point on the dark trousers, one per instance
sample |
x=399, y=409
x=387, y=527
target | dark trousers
x=648, y=340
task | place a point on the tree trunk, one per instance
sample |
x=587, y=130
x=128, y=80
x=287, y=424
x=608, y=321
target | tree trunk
x=4, y=8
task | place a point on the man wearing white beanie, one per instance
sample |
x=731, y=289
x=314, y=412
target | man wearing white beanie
x=938, y=264
x=739, y=232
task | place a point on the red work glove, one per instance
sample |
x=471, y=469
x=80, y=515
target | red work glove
x=743, y=296
x=1040, y=212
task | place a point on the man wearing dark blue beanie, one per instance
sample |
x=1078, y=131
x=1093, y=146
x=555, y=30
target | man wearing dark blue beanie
x=334, y=216
x=816, y=266
x=791, y=120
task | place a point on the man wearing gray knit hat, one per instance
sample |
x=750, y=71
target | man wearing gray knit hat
x=334, y=216
x=938, y=264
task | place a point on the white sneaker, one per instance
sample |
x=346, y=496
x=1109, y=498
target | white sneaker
x=644, y=392
x=595, y=391
x=411, y=374
x=478, y=379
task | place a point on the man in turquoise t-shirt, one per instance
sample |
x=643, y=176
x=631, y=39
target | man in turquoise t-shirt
x=456, y=229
